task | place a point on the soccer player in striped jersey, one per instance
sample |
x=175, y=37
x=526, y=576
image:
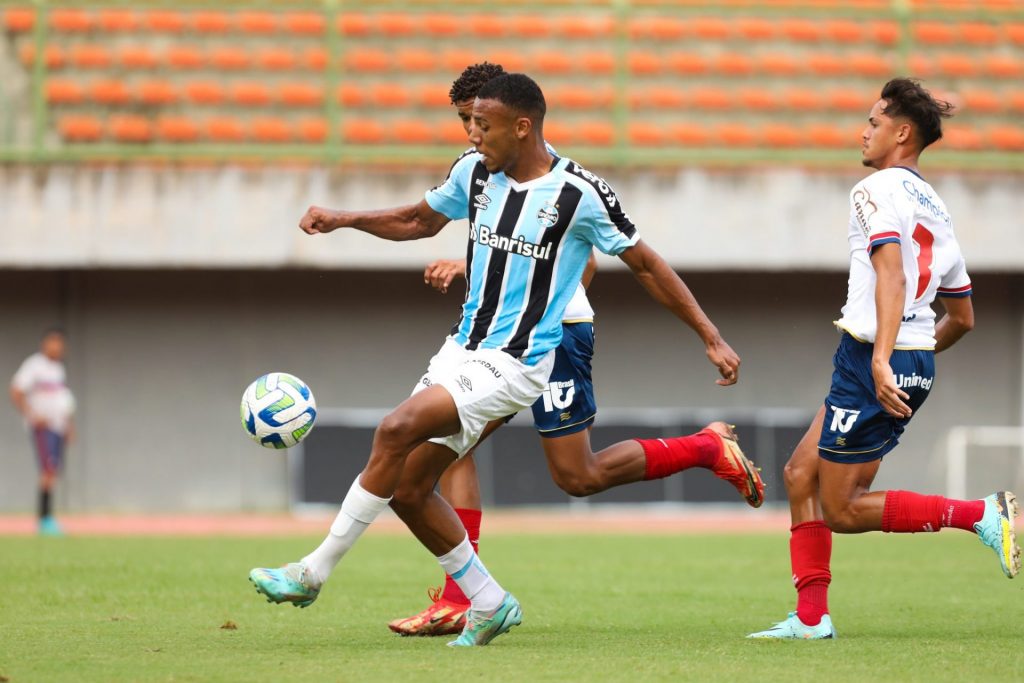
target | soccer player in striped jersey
x=533, y=219
x=563, y=416
x=903, y=255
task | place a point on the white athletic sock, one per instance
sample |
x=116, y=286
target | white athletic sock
x=466, y=569
x=358, y=511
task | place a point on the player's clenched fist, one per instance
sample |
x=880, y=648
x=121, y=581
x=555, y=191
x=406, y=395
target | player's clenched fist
x=725, y=359
x=319, y=220
x=440, y=273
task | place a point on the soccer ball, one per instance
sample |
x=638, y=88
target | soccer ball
x=278, y=410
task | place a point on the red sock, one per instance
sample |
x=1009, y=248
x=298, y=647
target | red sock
x=471, y=520
x=668, y=456
x=810, y=554
x=908, y=512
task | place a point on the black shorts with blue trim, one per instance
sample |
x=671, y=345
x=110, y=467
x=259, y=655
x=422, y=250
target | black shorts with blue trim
x=856, y=428
x=567, y=405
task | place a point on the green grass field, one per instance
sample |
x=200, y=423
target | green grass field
x=596, y=608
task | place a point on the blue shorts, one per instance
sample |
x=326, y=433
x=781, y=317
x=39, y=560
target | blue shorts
x=567, y=405
x=856, y=428
x=49, y=447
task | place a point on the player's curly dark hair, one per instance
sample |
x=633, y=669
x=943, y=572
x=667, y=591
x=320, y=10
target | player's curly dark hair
x=472, y=78
x=906, y=97
x=518, y=92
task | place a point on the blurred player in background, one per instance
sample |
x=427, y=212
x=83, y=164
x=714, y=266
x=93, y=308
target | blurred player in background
x=563, y=416
x=39, y=392
x=903, y=255
x=534, y=219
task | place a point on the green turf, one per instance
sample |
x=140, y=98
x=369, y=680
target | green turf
x=922, y=608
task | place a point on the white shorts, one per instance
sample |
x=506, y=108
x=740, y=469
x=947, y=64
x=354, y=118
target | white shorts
x=486, y=384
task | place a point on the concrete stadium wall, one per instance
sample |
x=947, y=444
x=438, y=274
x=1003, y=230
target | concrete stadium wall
x=755, y=219
x=158, y=361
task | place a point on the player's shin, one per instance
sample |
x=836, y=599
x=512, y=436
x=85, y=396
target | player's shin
x=810, y=554
x=909, y=512
x=465, y=568
x=358, y=511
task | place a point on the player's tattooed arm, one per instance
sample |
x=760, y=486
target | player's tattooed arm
x=890, y=295
x=440, y=273
x=401, y=223
x=665, y=287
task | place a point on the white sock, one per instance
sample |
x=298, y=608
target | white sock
x=469, y=573
x=358, y=511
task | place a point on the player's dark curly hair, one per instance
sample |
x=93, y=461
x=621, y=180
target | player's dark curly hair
x=518, y=92
x=468, y=84
x=906, y=97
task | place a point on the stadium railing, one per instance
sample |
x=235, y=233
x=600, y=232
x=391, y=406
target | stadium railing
x=628, y=81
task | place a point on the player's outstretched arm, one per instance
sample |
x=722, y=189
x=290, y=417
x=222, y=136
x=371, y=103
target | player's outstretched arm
x=440, y=273
x=662, y=283
x=958, y=321
x=401, y=223
x=890, y=295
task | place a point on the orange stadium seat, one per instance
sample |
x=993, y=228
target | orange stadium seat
x=664, y=97
x=643, y=63
x=596, y=132
x=394, y=24
x=827, y=135
x=390, y=94
x=117, y=20
x=367, y=60
x=598, y=62
x=53, y=54
x=260, y=23
x=571, y=97
x=645, y=134
x=711, y=97
x=230, y=58
x=844, y=31
x=781, y=135
x=250, y=93
x=687, y=63
x=510, y=60
x=884, y=32
x=270, y=129
x=826, y=63
x=779, y=63
x=528, y=25
x=416, y=60
x=354, y=24
x=487, y=26
x=80, y=128
x=1007, y=138
x=313, y=129
x=412, y=131
x=176, y=129
x=982, y=100
x=689, y=134
x=961, y=137
x=224, y=129
x=70, y=20
x=552, y=62
x=1015, y=101
x=130, y=128
x=934, y=33
x=978, y=33
x=921, y=65
x=667, y=28
x=277, y=59
x=802, y=30
x=164, y=21
x=450, y=132
x=555, y=132
x=756, y=28
x=734, y=64
x=870, y=64
x=184, y=57
x=1015, y=32
x=849, y=99
x=314, y=58
x=584, y=27
x=444, y=25
x=204, y=92
x=157, y=92
x=363, y=131
x=351, y=95
x=111, y=92
x=761, y=99
x=211, y=22
x=86, y=56
x=64, y=91
x=956, y=65
x=301, y=94
x=304, y=24
x=433, y=94
x=735, y=135
x=137, y=57
x=711, y=28
x=802, y=99
x=1003, y=66
x=19, y=19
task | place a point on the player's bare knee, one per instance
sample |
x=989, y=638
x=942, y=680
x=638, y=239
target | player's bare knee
x=797, y=476
x=842, y=519
x=394, y=432
x=579, y=484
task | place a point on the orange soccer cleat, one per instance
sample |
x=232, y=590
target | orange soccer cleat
x=734, y=467
x=442, y=618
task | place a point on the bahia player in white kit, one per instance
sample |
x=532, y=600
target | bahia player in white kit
x=903, y=256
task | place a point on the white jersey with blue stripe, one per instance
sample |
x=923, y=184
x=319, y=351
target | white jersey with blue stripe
x=528, y=246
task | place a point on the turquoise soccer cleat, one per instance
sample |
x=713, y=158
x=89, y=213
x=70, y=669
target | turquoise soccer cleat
x=482, y=629
x=290, y=583
x=996, y=530
x=794, y=629
x=48, y=526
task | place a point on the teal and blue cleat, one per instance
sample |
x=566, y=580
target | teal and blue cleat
x=483, y=628
x=290, y=583
x=794, y=629
x=48, y=526
x=996, y=530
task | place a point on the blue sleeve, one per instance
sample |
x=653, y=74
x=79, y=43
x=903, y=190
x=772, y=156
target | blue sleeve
x=451, y=197
x=604, y=224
